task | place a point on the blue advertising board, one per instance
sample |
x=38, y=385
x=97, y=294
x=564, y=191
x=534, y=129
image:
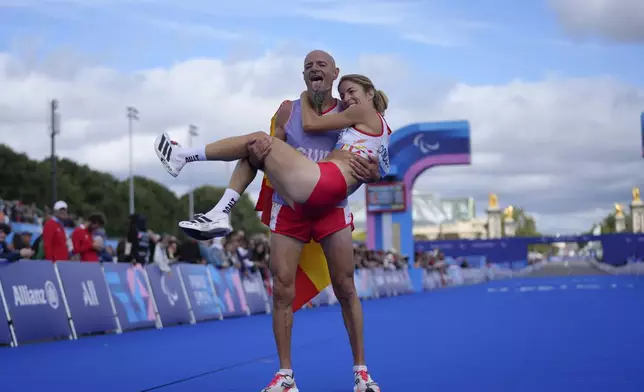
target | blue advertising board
x=87, y=296
x=379, y=283
x=5, y=333
x=362, y=279
x=132, y=300
x=201, y=292
x=34, y=300
x=172, y=304
x=230, y=290
x=494, y=251
x=255, y=293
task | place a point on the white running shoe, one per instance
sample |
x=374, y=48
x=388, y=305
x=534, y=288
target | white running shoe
x=364, y=382
x=281, y=383
x=203, y=228
x=170, y=154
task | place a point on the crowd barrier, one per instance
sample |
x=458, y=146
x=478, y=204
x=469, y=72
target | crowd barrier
x=44, y=301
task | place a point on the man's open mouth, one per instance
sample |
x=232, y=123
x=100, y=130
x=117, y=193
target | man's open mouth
x=316, y=78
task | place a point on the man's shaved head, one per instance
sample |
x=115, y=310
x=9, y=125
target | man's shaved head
x=317, y=54
x=320, y=71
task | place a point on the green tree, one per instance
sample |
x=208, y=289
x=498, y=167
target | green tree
x=527, y=227
x=607, y=224
x=86, y=190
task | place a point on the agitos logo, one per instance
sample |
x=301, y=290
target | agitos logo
x=424, y=147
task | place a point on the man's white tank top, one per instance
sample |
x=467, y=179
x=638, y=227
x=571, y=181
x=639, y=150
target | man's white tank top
x=358, y=142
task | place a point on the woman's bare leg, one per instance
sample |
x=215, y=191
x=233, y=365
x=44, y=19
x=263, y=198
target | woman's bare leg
x=291, y=173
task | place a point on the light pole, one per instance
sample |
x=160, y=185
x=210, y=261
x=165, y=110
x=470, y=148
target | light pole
x=132, y=114
x=192, y=131
x=55, y=130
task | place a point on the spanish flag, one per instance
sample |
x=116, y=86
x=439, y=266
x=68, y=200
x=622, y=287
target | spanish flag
x=312, y=273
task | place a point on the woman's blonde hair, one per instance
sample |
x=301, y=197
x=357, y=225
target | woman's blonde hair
x=380, y=100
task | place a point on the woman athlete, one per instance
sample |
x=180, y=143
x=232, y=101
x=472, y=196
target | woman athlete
x=313, y=187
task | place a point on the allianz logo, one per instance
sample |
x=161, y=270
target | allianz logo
x=90, y=296
x=25, y=296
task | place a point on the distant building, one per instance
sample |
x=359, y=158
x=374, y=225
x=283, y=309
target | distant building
x=434, y=217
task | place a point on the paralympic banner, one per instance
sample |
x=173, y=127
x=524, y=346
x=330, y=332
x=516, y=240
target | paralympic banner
x=132, y=300
x=169, y=297
x=34, y=300
x=87, y=296
x=255, y=293
x=203, y=298
x=230, y=290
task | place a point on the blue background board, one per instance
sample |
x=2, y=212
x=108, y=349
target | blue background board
x=255, y=293
x=171, y=303
x=204, y=300
x=230, y=291
x=616, y=247
x=496, y=251
x=34, y=299
x=87, y=296
x=130, y=293
x=576, y=339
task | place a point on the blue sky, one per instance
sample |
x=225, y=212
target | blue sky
x=476, y=42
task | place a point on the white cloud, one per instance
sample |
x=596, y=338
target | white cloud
x=618, y=20
x=565, y=149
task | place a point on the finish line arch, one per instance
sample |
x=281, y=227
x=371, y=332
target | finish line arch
x=412, y=150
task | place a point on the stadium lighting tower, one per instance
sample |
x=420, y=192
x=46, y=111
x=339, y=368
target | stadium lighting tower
x=55, y=130
x=192, y=131
x=132, y=115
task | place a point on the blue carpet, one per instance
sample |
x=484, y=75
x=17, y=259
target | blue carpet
x=548, y=334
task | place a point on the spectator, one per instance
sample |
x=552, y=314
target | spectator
x=22, y=240
x=190, y=253
x=54, y=237
x=7, y=252
x=86, y=240
x=164, y=252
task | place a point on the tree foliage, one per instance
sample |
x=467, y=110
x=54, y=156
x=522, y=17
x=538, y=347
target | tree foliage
x=86, y=190
x=607, y=224
x=526, y=225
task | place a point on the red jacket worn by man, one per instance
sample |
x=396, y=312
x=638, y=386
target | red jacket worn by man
x=83, y=242
x=53, y=234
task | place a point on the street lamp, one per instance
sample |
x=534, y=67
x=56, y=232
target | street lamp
x=132, y=114
x=55, y=130
x=192, y=131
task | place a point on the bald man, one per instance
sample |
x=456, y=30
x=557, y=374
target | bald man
x=291, y=229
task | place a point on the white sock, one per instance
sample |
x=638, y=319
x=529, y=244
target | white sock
x=288, y=372
x=194, y=154
x=227, y=202
x=358, y=368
